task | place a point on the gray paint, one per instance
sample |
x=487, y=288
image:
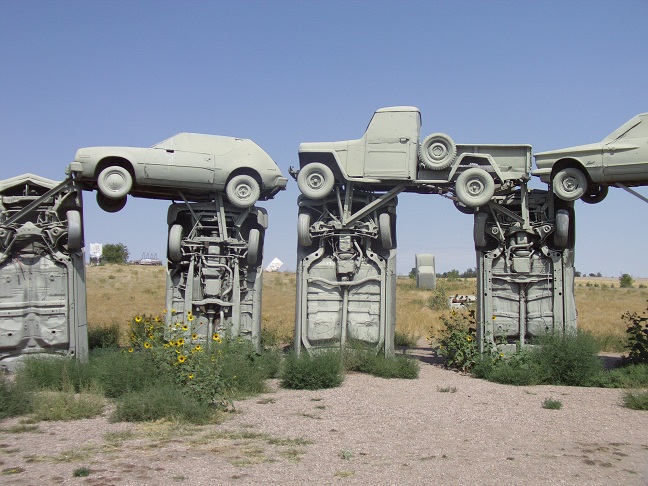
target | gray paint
x=42, y=270
x=212, y=271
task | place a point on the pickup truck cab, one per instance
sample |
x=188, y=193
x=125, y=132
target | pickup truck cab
x=390, y=154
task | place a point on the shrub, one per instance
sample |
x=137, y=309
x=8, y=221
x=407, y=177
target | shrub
x=457, y=341
x=636, y=400
x=570, y=359
x=551, y=404
x=637, y=333
x=162, y=402
x=367, y=361
x=303, y=371
x=405, y=340
x=439, y=299
x=117, y=372
x=626, y=281
x=14, y=399
x=67, y=405
x=557, y=359
x=628, y=376
x=104, y=336
x=56, y=373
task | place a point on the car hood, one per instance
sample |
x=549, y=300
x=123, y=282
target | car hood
x=577, y=149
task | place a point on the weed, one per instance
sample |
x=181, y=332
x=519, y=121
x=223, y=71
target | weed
x=104, y=336
x=344, y=474
x=439, y=299
x=551, y=404
x=457, y=341
x=626, y=281
x=636, y=400
x=367, y=361
x=14, y=399
x=637, y=333
x=405, y=340
x=66, y=405
x=628, y=376
x=346, y=455
x=81, y=472
x=447, y=389
x=303, y=371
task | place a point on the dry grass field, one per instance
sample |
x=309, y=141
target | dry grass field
x=117, y=292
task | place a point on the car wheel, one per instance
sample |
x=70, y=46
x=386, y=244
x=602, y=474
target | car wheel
x=437, y=151
x=254, y=247
x=479, y=230
x=561, y=231
x=175, y=243
x=569, y=184
x=74, y=231
x=110, y=205
x=303, y=230
x=115, y=182
x=475, y=187
x=385, y=231
x=595, y=194
x=243, y=191
x=315, y=180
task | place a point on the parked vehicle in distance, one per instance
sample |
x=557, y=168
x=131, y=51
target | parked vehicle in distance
x=194, y=164
x=585, y=171
x=390, y=154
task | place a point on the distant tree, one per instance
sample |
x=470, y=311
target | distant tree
x=577, y=273
x=626, y=281
x=470, y=273
x=114, y=253
x=412, y=273
x=592, y=275
x=599, y=274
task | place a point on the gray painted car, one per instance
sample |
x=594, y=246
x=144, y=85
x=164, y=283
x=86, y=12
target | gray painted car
x=196, y=165
x=586, y=171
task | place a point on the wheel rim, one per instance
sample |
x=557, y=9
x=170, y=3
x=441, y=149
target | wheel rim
x=438, y=151
x=475, y=187
x=115, y=181
x=315, y=180
x=243, y=191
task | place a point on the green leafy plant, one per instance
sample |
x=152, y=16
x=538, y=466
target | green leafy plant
x=552, y=404
x=81, y=472
x=114, y=253
x=457, y=341
x=14, y=399
x=405, y=340
x=439, y=299
x=637, y=333
x=636, y=400
x=104, y=336
x=367, y=361
x=626, y=281
x=321, y=370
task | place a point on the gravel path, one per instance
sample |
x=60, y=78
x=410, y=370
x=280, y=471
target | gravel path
x=444, y=428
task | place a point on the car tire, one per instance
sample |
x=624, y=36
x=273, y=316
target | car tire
x=569, y=184
x=243, y=191
x=561, y=231
x=385, y=231
x=175, y=243
x=474, y=187
x=110, y=205
x=74, y=230
x=315, y=180
x=595, y=194
x=115, y=182
x=254, y=247
x=303, y=230
x=479, y=230
x=437, y=151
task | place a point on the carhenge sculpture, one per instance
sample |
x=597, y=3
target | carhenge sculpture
x=215, y=243
x=42, y=270
x=346, y=258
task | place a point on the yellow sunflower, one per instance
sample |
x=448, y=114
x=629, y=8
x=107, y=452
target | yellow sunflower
x=138, y=318
x=182, y=358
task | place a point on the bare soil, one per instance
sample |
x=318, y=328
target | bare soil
x=445, y=428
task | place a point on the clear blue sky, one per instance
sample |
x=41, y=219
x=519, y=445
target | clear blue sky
x=547, y=73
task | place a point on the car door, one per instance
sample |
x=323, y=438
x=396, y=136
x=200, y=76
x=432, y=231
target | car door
x=626, y=158
x=182, y=161
x=391, y=145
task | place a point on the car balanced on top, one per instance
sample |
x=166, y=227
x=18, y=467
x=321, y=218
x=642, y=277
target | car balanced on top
x=390, y=155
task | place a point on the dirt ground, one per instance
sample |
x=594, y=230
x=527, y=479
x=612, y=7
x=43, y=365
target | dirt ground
x=444, y=428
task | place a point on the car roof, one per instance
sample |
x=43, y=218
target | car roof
x=634, y=121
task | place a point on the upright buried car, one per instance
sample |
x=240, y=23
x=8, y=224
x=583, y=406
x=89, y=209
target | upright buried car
x=192, y=164
x=586, y=171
